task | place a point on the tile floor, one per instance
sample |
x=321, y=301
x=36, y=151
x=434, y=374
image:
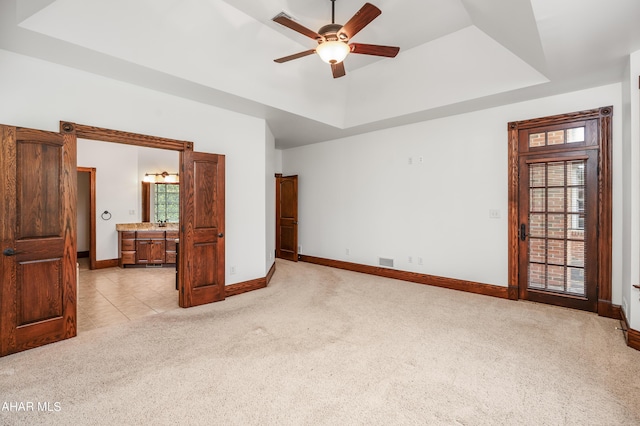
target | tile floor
x=114, y=295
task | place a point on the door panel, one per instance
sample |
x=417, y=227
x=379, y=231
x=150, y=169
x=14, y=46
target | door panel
x=287, y=217
x=38, y=231
x=558, y=239
x=201, y=272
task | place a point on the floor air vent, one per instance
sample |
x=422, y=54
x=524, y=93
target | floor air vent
x=383, y=261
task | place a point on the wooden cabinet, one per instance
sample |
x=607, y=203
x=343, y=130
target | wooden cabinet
x=170, y=246
x=150, y=247
x=147, y=247
x=127, y=248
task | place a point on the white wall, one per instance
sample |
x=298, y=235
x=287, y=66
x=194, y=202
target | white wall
x=39, y=94
x=278, y=161
x=360, y=193
x=632, y=194
x=270, y=204
x=116, y=189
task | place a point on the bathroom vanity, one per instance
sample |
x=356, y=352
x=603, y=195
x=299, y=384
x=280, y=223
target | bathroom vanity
x=146, y=243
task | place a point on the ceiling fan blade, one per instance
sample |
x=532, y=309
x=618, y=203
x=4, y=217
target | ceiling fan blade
x=283, y=20
x=374, y=49
x=361, y=19
x=295, y=56
x=338, y=70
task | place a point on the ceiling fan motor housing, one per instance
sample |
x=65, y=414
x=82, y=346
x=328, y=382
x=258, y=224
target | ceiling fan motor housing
x=330, y=32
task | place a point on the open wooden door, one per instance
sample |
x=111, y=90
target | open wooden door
x=287, y=217
x=201, y=270
x=38, y=237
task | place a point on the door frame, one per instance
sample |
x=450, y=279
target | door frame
x=108, y=135
x=603, y=115
x=92, y=214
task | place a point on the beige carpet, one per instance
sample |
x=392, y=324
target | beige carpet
x=325, y=346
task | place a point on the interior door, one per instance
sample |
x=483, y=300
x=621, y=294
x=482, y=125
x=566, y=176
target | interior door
x=38, y=232
x=287, y=217
x=201, y=267
x=559, y=219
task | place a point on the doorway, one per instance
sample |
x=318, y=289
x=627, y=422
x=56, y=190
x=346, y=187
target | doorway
x=86, y=212
x=560, y=210
x=201, y=258
x=108, y=294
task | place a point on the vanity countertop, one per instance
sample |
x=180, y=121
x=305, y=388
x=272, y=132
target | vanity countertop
x=146, y=226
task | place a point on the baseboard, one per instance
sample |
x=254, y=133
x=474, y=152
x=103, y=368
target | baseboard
x=609, y=310
x=631, y=336
x=109, y=263
x=513, y=292
x=272, y=271
x=414, y=277
x=245, y=286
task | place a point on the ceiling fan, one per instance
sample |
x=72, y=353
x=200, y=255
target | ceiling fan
x=333, y=39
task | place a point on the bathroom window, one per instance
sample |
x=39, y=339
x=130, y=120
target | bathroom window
x=167, y=202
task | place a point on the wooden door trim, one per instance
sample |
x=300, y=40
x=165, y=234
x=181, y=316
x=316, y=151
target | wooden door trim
x=603, y=115
x=278, y=177
x=108, y=135
x=146, y=201
x=92, y=214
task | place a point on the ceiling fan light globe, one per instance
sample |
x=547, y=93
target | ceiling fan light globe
x=333, y=52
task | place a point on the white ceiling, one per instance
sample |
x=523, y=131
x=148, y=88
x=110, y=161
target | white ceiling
x=456, y=55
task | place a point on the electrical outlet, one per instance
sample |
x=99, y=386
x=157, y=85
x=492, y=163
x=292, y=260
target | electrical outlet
x=421, y=159
x=233, y=270
x=410, y=259
x=132, y=212
x=410, y=161
x=419, y=261
x=494, y=214
x=346, y=251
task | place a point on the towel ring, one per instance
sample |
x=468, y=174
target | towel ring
x=105, y=215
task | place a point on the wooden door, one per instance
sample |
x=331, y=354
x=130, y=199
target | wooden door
x=287, y=217
x=201, y=267
x=38, y=190
x=558, y=231
x=561, y=220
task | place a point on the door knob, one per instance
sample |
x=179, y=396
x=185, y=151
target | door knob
x=9, y=252
x=221, y=235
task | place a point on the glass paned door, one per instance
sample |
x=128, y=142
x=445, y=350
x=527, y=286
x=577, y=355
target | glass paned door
x=556, y=238
x=556, y=227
